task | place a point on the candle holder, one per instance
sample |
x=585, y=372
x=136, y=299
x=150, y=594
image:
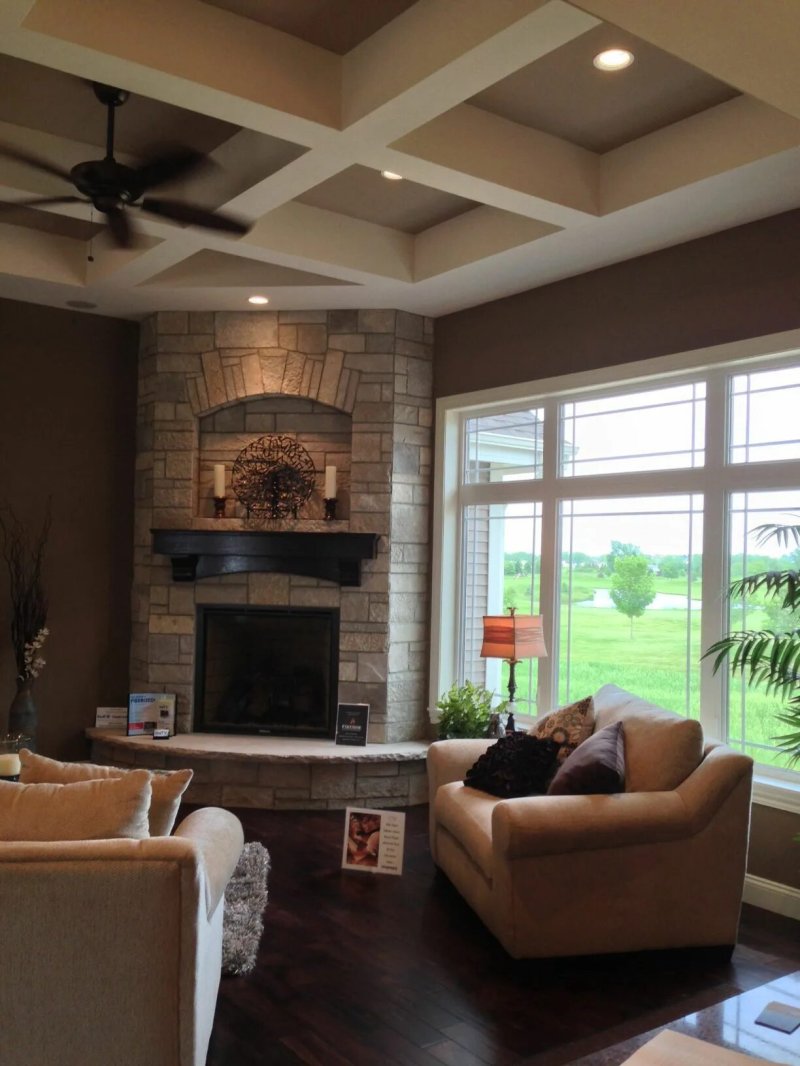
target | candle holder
x=330, y=509
x=219, y=506
x=10, y=744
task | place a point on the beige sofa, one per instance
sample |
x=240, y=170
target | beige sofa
x=111, y=949
x=660, y=865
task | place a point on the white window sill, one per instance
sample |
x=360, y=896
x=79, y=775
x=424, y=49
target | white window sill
x=776, y=792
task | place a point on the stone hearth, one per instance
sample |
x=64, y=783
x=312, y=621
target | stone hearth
x=354, y=388
x=277, y=773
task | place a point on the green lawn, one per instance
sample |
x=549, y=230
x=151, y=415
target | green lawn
x=653, y=663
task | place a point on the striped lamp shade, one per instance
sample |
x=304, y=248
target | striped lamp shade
x=513, y=636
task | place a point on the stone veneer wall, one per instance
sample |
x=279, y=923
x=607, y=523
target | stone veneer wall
x=373, y=365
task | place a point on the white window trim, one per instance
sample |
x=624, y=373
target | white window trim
x=450, y=496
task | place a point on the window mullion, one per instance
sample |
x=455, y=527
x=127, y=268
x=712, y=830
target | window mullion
x=715, y=552
x=550, y=564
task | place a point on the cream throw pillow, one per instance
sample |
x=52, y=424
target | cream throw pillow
x=570, y=726
x=87, y=810
x=167, y=786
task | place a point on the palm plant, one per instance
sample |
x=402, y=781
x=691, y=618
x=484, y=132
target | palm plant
x=767, y=657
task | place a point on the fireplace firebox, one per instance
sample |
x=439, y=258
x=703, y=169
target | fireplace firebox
x=267, y=670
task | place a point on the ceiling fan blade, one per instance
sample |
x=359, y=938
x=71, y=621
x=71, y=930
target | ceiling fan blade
x=194, y=216
x=34, y=161
x=40, y=201
x=120, y=227
x=177, y=163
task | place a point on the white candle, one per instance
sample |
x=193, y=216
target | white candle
x=9, y=764
x=219, y=479
x=330, y=482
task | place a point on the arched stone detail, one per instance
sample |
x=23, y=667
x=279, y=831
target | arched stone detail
x=228, y=377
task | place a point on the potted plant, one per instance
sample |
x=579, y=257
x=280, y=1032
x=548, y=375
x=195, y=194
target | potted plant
x=766, y=657
x=464, y=711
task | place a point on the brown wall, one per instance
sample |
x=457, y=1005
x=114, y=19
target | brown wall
x=67, y=423
x=742, y=283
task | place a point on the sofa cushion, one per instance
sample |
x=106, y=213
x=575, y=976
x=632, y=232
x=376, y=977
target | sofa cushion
x=569, y=725
x=661, y=748
x=597, y=767
x=86, y=810
x=167, y=786
x=466, y=814
x=517, y=765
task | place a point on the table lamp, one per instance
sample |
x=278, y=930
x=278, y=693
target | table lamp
x=513, y=637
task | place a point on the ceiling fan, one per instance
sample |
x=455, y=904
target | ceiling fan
x=112, y=187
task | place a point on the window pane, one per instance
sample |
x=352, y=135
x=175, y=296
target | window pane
x=662, y=429
x=502, y=557
x=630, y=598
x=764, y=416
x=752, y=716
x=504, y=447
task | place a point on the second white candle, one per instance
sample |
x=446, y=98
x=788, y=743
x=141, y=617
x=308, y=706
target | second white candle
x=330, y=482
x=219, y=479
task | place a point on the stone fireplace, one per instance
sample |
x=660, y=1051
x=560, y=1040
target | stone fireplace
x=354, y=389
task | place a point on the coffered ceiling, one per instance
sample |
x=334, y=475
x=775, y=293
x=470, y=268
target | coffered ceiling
x=522, y=163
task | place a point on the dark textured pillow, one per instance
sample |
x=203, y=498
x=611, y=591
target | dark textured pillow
x=517, y=765
x=597, y=766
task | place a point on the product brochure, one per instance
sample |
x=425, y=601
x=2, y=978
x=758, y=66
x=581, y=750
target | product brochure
x=150, y=710
x=352, y=720
x=373, y=840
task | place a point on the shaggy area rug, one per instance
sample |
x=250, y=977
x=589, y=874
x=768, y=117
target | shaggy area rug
x=245, y=900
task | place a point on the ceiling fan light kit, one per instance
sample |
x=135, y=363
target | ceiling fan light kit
x=111, y=187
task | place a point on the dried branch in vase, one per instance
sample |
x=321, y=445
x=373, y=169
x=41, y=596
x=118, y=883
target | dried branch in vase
x=24, y=555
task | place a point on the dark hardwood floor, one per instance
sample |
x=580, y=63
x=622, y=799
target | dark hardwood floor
x=363, y=970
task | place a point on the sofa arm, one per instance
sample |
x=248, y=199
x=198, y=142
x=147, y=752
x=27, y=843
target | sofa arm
x=550, y=825
x=449, y=760
x=218, y=837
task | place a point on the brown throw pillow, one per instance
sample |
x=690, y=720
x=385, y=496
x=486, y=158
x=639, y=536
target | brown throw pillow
x=167, y=786
x=597, y=767
x=517, y=765
x=86, y=810
x=570, y=725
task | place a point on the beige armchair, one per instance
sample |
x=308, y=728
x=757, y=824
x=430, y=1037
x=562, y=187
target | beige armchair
x=111, y=949
x=660, y=865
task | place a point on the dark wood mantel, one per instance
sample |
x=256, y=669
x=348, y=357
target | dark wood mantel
x=197, y=553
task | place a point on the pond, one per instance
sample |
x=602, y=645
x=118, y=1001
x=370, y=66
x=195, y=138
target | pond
x=664, y=601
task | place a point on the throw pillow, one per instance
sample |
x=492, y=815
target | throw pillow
x=597, y=767
x=167, y=786
x=569, y=726
x=86, y=810
x=517, y=765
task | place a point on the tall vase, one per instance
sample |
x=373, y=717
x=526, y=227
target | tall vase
x=22, y=715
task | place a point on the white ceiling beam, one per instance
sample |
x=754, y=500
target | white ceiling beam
x=191, y=55
x=433, y=56
x=721, y=139
x=323, y=240
x=474, y=236
x=561, y=176
x=30, y=253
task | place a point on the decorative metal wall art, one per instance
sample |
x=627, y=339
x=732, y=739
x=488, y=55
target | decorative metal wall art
x=273, y=477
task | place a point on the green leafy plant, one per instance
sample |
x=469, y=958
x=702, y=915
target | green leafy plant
x=770, y=658
x=464, y=711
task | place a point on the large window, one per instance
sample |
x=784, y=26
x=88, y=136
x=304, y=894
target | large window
x=621, y=514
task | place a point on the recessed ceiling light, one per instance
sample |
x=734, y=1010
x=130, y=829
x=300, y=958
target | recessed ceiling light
x=258, y=299
x=391, y=176
x=613, y=59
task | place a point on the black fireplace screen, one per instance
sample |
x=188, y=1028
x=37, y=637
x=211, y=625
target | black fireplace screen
x=272, y=671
